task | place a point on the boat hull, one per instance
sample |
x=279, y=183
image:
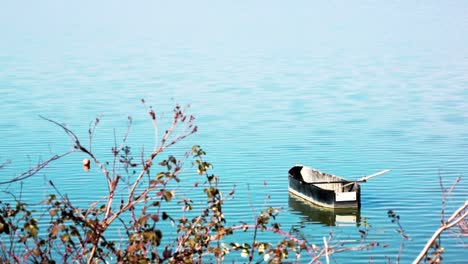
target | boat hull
x=311, y=192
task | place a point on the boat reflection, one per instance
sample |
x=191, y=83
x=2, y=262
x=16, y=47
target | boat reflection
x=325, y=216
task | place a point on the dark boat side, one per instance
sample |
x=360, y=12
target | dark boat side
x=323, y=189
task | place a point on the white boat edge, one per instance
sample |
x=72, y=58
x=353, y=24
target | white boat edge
x=350, y=196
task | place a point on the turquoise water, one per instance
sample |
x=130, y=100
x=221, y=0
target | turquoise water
x=348, y=88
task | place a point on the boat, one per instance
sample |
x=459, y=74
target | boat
x=310, y=213
x=324, y=189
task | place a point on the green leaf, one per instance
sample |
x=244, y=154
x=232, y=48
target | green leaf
x=210, y=192
x=234, y=245
x=142, y=220
x=168, y=195
x=65, y=238
x=74, y=231
x=172, y=159
x=148, y=235
x=32, y=230
x=160, y=175
x=211, y=177
x=245, y=253
x=200, y=169
x=276, y=226
x=153, y=183
x=261, y=248
x=165, y=216
x=158, y=237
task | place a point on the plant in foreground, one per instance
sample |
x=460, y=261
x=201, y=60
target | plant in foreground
x=137, y=202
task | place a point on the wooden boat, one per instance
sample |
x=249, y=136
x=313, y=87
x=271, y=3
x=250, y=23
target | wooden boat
x=324, y=189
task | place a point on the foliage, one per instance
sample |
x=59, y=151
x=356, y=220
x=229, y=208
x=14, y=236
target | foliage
x=62, y=232
x=82, y=234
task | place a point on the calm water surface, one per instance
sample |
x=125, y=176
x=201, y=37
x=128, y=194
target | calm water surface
x=348, y=89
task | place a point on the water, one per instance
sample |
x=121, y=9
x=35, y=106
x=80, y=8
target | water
x=348, y=88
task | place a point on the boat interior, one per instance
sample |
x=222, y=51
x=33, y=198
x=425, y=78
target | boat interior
x=327, y=181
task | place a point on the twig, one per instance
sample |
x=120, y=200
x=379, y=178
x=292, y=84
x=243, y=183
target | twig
x=36, y=168
x=5, y=164
x=91, y=132
x=81, y=148
x=325, y=244
x=446, y=193
x=452, y=221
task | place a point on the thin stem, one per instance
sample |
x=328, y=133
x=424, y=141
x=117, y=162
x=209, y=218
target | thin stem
x=253, y=242
x=447, y=225
x=32, y=171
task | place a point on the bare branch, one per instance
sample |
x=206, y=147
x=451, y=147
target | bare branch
x=36, y=168
x=6, y=163
x=439, y=231
x=69, y=133
x=457, y=218
x=178, y=116
x=91, y=132
x=80, y=147
x=152, y=113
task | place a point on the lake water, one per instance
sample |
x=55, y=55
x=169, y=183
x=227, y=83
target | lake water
x=348, y=88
